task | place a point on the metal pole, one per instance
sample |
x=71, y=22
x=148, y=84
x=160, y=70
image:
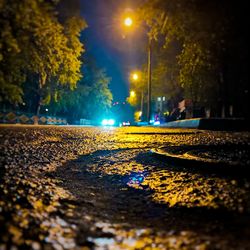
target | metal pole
x=142, y=101
x=149, y=82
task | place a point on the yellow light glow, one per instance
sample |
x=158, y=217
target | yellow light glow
x=135, y=76
x=132, y=93
x=128, y=21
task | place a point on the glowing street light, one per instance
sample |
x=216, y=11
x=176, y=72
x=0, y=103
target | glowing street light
x=135, y=76
x=132, y=93
x=128, y=21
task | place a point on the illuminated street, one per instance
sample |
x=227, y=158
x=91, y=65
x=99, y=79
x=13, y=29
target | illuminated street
x=124, y=125
x=66, y=187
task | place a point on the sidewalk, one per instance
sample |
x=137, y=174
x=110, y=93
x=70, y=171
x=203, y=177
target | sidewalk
x=226, y=124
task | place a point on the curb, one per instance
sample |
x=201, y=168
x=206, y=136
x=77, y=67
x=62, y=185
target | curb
x=220, y=124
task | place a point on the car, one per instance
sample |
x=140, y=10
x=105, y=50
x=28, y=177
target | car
x=108, y=122
x=127, y=123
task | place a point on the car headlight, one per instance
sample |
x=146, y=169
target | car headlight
x=108, y=122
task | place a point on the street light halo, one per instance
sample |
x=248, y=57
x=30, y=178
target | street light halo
x=135, y=76
x=132, y=93
x=128, y=21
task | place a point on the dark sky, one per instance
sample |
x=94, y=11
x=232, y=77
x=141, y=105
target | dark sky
x=113, y=47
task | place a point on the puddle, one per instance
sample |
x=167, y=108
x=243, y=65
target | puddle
x=136, y=179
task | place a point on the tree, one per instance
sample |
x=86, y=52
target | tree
x=165, y=74
x=206, y=32
x=90, y=99
x=11, y=74
x=43, y=49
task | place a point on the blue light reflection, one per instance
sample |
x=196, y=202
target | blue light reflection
x=135, y=179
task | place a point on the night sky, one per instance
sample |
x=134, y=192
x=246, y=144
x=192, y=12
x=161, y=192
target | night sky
x=113, y=48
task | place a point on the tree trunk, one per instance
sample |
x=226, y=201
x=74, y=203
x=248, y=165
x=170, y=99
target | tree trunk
x=41, y=83
x=38, y=107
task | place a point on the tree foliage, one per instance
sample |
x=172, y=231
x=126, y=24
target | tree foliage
x=35, y=45
x=208, y=34
x=90, y=100
x=42, y=64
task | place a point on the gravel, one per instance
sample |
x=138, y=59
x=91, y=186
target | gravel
x=101, y=188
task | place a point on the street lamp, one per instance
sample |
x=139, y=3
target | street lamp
x=128, y=22
x=135, y=77
x=132, y=93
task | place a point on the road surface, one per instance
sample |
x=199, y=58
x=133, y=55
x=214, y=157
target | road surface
x=103, y=188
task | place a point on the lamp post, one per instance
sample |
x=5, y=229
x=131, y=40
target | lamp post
x=129, y=22
x=149, y=81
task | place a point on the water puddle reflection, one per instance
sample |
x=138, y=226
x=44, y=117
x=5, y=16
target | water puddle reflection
x=136, y=179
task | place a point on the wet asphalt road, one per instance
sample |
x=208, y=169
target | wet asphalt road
x=103, y=188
